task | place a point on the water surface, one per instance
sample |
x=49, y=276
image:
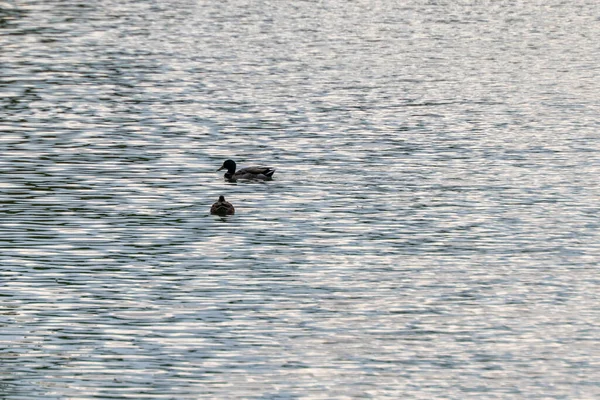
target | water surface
x=431, y=231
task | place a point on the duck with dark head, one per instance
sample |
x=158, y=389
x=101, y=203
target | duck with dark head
x=259, y=173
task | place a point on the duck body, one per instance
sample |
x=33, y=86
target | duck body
x=222, y=207
x=260, y=173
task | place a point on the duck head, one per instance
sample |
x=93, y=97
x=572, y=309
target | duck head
x=229, y=165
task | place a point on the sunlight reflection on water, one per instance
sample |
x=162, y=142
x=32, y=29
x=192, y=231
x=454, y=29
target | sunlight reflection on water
x=430, y=231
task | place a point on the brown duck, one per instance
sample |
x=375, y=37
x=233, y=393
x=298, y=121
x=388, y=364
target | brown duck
x=222, y=207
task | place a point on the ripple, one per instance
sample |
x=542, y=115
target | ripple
x=430, y=231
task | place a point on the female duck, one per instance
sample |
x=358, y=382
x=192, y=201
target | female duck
x=262, y=173
x=222, y=207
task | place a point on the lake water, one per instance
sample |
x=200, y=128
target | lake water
x=431, y=231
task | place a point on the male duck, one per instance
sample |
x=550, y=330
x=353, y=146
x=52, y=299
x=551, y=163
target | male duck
x=222, y=207
x=262, y=173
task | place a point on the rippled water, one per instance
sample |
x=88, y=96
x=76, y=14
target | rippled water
x=431, y=231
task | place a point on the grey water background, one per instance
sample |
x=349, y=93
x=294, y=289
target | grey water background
x=431, y=231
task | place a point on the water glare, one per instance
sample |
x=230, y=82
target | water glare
x=430, y=232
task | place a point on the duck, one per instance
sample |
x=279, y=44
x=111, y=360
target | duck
x=222, y=207
x=260, y=173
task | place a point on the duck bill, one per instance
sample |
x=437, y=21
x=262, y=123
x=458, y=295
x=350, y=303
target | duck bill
x=221, y=168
